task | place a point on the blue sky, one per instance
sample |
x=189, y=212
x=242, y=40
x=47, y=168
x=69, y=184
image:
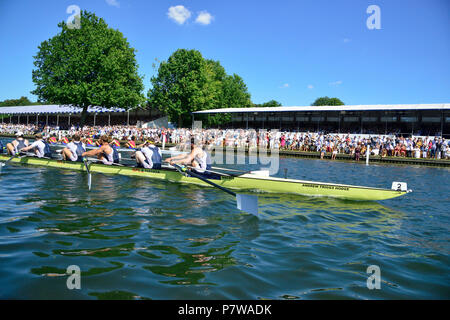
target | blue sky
x=291, y=51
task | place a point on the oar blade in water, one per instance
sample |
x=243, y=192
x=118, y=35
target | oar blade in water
x=247, y=203
x=89, y=181
x=2, y=164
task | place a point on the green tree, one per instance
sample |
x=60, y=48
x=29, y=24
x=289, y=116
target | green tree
x=235, y=92
x=234, y=95
x=215, y=74
x=187, y=82
x=22, y=101
x=90, y=66
x=325, y=101
x=180, y=86
x=271, y=103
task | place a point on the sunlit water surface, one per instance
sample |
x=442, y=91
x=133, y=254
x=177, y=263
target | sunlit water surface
x=136, y=238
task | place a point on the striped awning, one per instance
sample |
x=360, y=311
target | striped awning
x=54, y=109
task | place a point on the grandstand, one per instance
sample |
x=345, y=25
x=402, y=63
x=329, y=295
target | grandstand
x=407, y=119
x=65, y=116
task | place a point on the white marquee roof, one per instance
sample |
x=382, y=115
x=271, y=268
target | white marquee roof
x=53, y=109
x=376, y=107
x=68, y=109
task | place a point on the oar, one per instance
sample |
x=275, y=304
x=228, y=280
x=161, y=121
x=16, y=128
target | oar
x=4, y=163
x=218, y=172
x=231, y=170
x=254, y=172
x=244, y=202
x=89, y=173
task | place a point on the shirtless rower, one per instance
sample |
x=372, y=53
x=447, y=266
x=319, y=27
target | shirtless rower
x=74, y=149
x=105, y=153
x=17, y=144
x=198, y=158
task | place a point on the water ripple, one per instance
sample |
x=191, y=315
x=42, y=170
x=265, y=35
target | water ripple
x=134, y=238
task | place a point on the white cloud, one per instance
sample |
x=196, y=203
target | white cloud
x=286, y=85
x=113, y=3
x=347, y=40
x=179, y=14
x=336, y=83
x=310, y=86
x=204, y=17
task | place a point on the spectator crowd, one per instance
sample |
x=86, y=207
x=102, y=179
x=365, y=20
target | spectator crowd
x=327, y=144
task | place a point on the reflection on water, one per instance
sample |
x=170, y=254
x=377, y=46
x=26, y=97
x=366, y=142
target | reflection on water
x=135, y=238
x=192, y=267
x=117, y=295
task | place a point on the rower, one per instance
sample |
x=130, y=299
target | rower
x=115, y=145
x=74, y=149
x=149, y=156
x=198, y=158
x=17, y=144
x=40, y=147
x=105, y=153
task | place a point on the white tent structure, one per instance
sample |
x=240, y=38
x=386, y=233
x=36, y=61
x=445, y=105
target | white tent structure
x=52, y=109
x=375, y=107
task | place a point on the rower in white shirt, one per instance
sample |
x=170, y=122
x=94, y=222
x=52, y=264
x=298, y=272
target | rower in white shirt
x=40, y=147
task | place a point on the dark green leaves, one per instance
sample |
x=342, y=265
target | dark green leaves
x=93, y=65
x=325, y=101
x=268, y=104
x=187, y=82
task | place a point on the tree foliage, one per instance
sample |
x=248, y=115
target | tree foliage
x=22, y=101
x=92, y=65
x=271, y=103
x=325, y=101
x=187, y=82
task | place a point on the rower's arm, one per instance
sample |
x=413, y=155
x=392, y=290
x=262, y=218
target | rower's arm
x=26, y=148
x=93, y=152
x=176, y=158
x=186, y=159
x=31, y=146
x=138, y=146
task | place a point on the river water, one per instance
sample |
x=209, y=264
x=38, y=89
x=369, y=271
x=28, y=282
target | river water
x=136, y=238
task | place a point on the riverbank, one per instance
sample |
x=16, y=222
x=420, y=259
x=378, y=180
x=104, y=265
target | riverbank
x=316, y=155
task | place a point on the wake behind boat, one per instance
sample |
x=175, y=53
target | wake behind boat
x=245, y=182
